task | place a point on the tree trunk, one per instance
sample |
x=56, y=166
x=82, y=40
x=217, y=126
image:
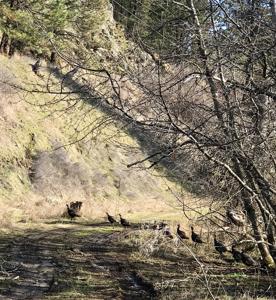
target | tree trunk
x=12, y=48
x=4, y=44
x=268, y=260
x=251, y=212
x=273, y=11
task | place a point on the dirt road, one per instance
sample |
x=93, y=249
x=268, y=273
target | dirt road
x=96, y=261
x=70, y=261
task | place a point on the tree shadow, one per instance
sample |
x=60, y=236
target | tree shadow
x=92, y=224
x=60, y=263
x=75, y=263
x=146, y=138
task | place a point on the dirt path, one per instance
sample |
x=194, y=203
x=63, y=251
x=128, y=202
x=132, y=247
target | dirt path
x=94, y=261
x=69, y=262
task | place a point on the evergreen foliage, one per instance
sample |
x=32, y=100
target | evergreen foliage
x=40, y=26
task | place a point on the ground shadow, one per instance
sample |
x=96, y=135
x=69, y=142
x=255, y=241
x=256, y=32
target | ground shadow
x=85, y=261
x=92, y=224
x=62, y=263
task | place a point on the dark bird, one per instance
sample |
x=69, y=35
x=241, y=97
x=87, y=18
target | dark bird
x=235, y=218
x=110, y=218
x=182, y=235
x=219, y=246
x=237, y=255
x=72, y=212
x=76, y=206
x=196, y=237
x=167, y=233
x=248, y=260
x=124, y=222
x=162, y=225
x=79, y=204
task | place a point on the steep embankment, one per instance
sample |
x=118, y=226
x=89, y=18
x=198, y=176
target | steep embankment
x=37, y=181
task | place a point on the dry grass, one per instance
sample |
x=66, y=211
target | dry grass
x=182, y=271
x=36, y=182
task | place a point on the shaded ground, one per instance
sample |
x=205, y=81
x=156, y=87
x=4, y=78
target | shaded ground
x=71, y=262
x=95, y=261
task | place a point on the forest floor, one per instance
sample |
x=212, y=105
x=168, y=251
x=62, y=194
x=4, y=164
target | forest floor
x=82, y=260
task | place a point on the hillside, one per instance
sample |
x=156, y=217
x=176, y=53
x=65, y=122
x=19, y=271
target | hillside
x=37, y=180
x=46, y=256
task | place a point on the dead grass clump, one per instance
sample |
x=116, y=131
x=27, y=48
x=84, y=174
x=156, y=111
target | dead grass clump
x=153, y=243
x=53, y=173
x=179, y=270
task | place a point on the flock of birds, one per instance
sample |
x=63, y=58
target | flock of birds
x=74, y=208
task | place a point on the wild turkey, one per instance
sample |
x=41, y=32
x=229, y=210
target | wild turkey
x=110, y=219
x=182, y=235
x=73, y=212
x=76, y=205
x=196, y=237
x=167, y=233
x=79, y=204
x=248, y=260
x=219, y=246
x=235, y=218
x=124, y=222
x=162, y=225
x=237, y=255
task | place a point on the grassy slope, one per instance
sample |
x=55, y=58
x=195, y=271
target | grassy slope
x=95, y=173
